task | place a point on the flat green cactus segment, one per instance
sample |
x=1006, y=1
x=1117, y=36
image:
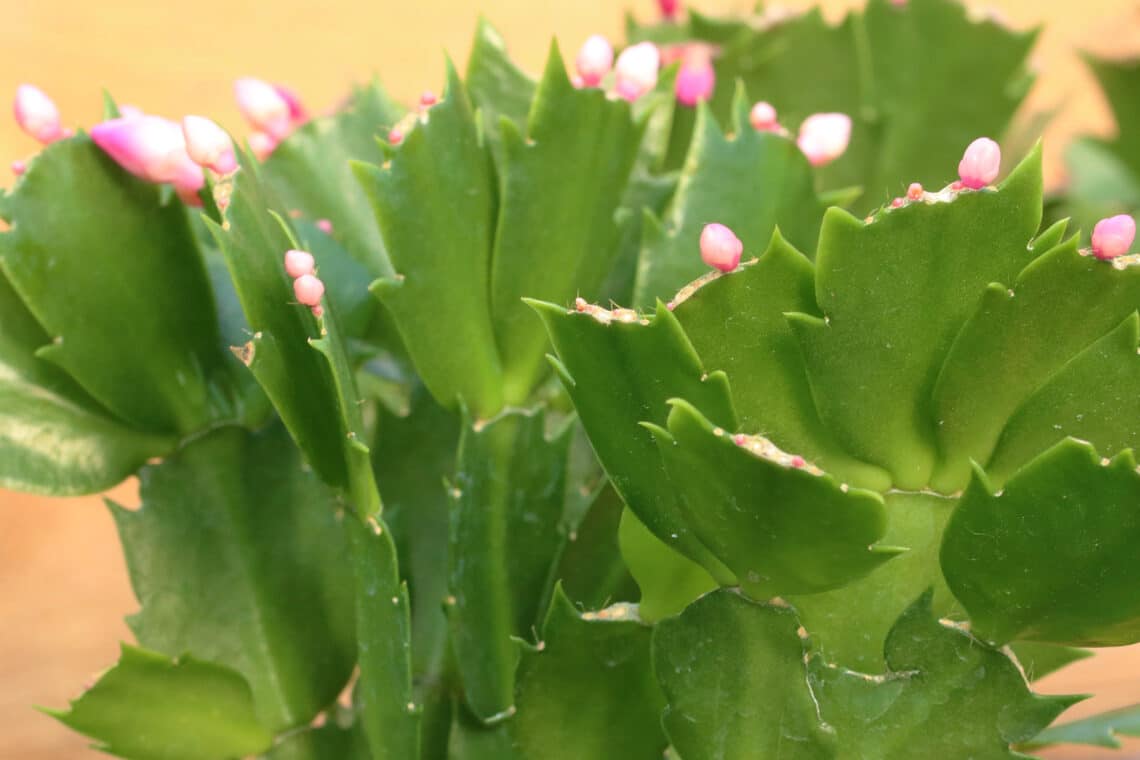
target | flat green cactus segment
x=1039, y=660
x=297, y=379
x=255, y=546
x=726, y=650
x=88, y=248
x=389, y=714
x=588, y=691
x=895, y=292
x=668, y=580
x=1052, y=556
x=434, y=200
x=591, y=570
x=54, y=438
x=148, y=705
x=849, y=626
x=1093, y=398
x=751, y=182
x=736, y=322
x=780, y=528
x=945, y=694
x=310, y=171
x=928, y=107
x=1100, y=730
x=497, y=87
x=329, y=742
x=471, y=740
x=505, y=515
x=412, y=455
x=562, y=181
x=1002, y=356
x=621, y=373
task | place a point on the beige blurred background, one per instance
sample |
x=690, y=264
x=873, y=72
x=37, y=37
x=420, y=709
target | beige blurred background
x=63, y=588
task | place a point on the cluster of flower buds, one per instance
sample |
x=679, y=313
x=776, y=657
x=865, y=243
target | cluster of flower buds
x=273, y=111
x=1113, y=237
x=720, y=247
x=307, y=287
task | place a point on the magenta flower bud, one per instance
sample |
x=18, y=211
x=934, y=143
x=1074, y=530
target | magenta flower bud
x=261, y=144
x=19, y=167
x=669, y=8
x=980, y=164
x=428, y=99
x=395, y=136
x=37, y=114
x=824, y=137
x=308, y=289
x=208, y=144
x=720, y=247
x=299, y=263
x=149, y=147
x=763, y=117
x=594, y=61
x=696, y=78
x=264, y=107
x=1113, y=237
x=637, y=70
x=325, y=226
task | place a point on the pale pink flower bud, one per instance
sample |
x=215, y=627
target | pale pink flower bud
x=595, y=60
x=637, y=70
x=149, y=147
x=763, y=117
x=299, y=263
x=696, y=78
x=208, y=144
x=980, y=164
x=1113, y=237
x=325, y=226
x=19, y=167
x=395, y=136
x=720, y=247
x=37, y=114
x=261, y=144
x=915, y=191
x=669, y=8
x=308, y=289
x=264, y=107
x=824, y=137
x=188, y=180
x=297, y=113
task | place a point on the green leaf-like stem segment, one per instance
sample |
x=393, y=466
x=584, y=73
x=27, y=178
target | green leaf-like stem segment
x=1099, y=730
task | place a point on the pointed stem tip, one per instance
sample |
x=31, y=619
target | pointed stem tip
x=1113, y=237
x=980, y=164
x=720, y=247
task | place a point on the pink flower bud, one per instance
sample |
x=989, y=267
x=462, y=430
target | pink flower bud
x=720, y=247
x=428, y=99
x=264, y=107
x=669, y=8
x=149, y=147
x=395, y=136
x=763, y=117
x=637, y=70
x=19, y=167
x=1113, y=237
x=208, y=144
x=37, y=114
x=308, y=289
x=297, y=114
x=915, y=191
x=595, y=60
x=898, y=202
x=696, y=78
x=126, y=110
x=299, y=264
x=325, y=226
x=980, y=164
x=188, y=180
x=261, y=144
x=824, y=137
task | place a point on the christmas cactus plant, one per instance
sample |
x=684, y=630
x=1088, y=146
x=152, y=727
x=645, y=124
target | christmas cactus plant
x=851, y=473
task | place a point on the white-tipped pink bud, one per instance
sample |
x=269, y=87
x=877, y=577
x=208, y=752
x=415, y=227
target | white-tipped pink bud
x=208, y=144
x=261, y=144
x=297, y=113
x=824, y=137
x=395, y=136
x=325, y=226
x=594, y=60
x=149, y=147
x=299, y=264
x=763, y=117
x=428, y=99
x=37, y=114
x=19, y=167
x=308, y=289
x=696, y=78
x=637, y=70
x=1113, y=237
x=720, y=247
x=980, y=164
x=669, y=8
x=263, y=105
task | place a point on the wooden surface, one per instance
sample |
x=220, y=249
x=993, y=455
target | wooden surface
x=63, y=590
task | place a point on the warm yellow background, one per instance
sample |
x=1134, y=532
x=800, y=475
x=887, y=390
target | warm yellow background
x=62, y=583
